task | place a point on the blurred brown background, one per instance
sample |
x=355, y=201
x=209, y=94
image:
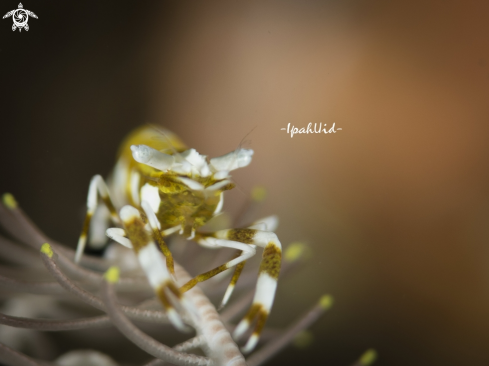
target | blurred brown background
x=395, y=206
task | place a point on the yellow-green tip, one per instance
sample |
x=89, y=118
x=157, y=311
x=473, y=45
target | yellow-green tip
x=112, y=274
x=46, y=249
x=258, y=194
x=303, y=339
x=368, y=357
x=294, y=251
x=326, y=301
x=9, y=200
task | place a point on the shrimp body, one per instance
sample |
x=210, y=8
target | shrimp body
x=161, y=188
x=184, y=195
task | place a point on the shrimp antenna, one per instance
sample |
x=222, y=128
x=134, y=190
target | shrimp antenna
x=163, y=134
x=240, y=145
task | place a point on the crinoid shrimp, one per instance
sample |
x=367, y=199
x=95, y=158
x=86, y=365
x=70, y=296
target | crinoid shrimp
x=160, y=187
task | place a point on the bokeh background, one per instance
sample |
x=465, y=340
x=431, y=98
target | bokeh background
x=395, y=207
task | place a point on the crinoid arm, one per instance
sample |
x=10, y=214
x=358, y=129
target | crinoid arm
x=97, y=189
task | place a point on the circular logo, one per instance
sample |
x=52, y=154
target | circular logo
x=20, y=18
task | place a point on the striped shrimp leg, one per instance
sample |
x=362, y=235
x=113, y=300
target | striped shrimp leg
x=246, y=252
x=97, y=189
x=269, y=223
x=152, y=263
x=267, y=279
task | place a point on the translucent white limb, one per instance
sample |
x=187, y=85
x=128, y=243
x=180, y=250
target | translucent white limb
x=98, y=227
x=229, y=290
x=150, y=214
x=218, y=185
x=231, y=161
x=269, y=223
x=219, y=205
x=97, y=189
x=247, y=251
x=221, y=174
x=117, y=182
x=135, y=178
x=155, y=229
x=192, y=184
x=192, y=234
x=208, y=244
x=146, y=155
x=119, y=235
x=171, y=230
x=151, y=195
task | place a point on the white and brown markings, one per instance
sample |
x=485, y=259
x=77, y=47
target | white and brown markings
x=161, y=188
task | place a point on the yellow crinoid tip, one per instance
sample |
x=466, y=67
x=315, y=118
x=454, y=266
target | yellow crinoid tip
x=258, y=193
x=46, y=249
x=112, y=274
x=326, y=301
x=294, y=251
x=368, y=357
x=9, y=200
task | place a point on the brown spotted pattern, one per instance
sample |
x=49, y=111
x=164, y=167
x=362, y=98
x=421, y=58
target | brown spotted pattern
x=137, y=234
x=271, y=260
x=203, y=277
x=166, y=252
x=242, y=235
x=237, y=272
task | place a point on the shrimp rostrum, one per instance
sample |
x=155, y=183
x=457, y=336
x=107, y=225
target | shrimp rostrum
x=162, y=188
